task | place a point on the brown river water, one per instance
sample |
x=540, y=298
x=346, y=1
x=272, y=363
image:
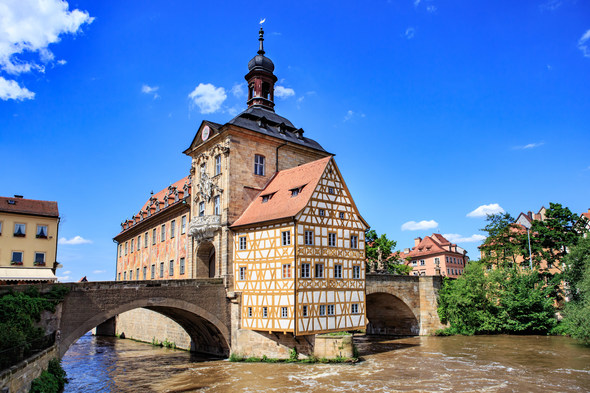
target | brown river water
x=411, y=364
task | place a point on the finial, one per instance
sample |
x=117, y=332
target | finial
x=261, y=39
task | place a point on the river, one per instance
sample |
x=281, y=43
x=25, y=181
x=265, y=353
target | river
x=429, y=364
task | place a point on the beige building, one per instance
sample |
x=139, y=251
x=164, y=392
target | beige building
x=28, y=240
x=435, y=256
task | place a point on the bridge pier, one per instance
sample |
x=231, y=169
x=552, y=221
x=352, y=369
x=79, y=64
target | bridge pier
x=107, y=328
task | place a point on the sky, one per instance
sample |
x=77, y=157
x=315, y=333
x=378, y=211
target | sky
x=437, y=112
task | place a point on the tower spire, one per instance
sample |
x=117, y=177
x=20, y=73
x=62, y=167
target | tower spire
x=261, y=39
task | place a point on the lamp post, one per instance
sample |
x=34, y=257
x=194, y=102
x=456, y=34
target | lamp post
x=527, y=225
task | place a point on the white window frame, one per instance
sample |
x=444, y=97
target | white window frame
x=337, y=270
x=139, y=242
x=265, y=312
x=249, y=312
x=46, y=231
x=309, y=238
x=354, y=308
x=181, y=267
x=305, y=270
x=217, y=164
x=163, y=233
x=284, y=312
x=322, y=311
x=286, y=238
x=422, y=262
x=259, y=165
x=332, y=240
x=243, y=243
x=20, y=225
x=243, y=270
x=201, y=209
x=331, y=309
x=217, y=205
x=41, y=263
x=183, y=225
x=172, y=229
x=356, y=272
x=304, y=311
x=171, y=269
x=319, y=268
x=286, y=271
x=161, y=269
x=354, y=241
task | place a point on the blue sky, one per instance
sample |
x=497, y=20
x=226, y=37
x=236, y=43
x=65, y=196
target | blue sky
x=433, y=108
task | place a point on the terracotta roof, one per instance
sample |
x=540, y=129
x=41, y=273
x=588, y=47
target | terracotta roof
x=440, y=239
x=280, y=203
x=587, y=215
x=162, y=193
x=431, y=245
x=29, y=206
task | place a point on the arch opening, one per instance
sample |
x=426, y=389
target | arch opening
x=205, y=261
x=389, y=315
x=207, y=333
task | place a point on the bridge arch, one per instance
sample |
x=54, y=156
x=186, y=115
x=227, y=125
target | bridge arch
x=206, y=330
x=390, y=314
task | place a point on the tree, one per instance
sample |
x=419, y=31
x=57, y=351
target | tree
x=577, y=276
x=380, y=248
x=503, y=244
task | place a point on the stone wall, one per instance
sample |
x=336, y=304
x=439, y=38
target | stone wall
x=429, y=319
x=17, y=379
x=146, y=325
x=330, y=347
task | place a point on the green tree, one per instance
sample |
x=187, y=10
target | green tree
x=577, y=276
x=503, y=244
x=381, y=248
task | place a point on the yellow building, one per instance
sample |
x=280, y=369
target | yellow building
x=300, y=254
x=28, y=239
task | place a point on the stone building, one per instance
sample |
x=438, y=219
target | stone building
x=435, y=256
x=28, y=240
x=240, y=170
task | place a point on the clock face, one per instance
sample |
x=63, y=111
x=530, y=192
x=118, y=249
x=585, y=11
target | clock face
x=205, y=133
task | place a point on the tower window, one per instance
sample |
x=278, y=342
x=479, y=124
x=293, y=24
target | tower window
x=201, y=209
x=217, y=164
x=265, y=90
x=259, y=165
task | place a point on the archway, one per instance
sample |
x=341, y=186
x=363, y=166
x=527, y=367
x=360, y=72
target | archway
x=389, y=315
x=208, y=333
x=205, y=261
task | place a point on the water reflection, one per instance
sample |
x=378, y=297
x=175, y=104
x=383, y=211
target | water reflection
x=463, y=364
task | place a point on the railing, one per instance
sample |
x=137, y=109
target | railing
x=12, y=356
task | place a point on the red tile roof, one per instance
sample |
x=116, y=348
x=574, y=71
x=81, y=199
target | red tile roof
x=29, y=206
x=587, y=215
x=281, y=204
x=431, y=245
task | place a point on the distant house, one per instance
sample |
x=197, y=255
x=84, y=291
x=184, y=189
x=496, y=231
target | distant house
x=583, y=224
x=435, y=256
x=28, y=240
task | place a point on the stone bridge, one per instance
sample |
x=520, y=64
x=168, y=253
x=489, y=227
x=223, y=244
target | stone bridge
x=402, y=305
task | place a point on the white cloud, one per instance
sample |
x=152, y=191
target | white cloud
x=583, y=43
x=284, y=92
x=63, y=278
x=350, y=114
x=208, y=97
x=550, y=5
x=29, y=27
x=484, y=210
x=61, y=62
x=417, y=3
x=74, y=241
x=67, y=272
x=410, y=33
x=417, y=226
x=10, y=90
x=431, y=9
x=98, y=271
x=238, y=90
x=529, y=146
x=456, y=238
x=147, y=89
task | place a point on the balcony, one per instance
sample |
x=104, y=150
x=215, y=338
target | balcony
x=204, y=227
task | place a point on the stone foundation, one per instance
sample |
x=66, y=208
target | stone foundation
x=330, y=347
x=145, y=325
x=429, y=319
x=18, y=379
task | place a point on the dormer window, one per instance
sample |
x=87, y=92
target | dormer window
x=267, y=197
x=330, y=190
x=296, y=191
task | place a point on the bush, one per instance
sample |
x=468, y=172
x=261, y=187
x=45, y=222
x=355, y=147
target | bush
x=51, y=380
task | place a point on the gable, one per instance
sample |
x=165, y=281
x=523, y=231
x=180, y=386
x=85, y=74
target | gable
x=207, y=130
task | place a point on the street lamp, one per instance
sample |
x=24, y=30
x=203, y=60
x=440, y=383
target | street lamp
x=527, y=224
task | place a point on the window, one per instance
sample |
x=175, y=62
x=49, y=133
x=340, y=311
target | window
x=305, y=270
x=286, y=238
x=264, y=312
x=119, y=276
x=132, y=243
x=322, y=212
x=447, y=259
x=330, y=190
x=436, y=261
x=137, y=274
x=154, y=236
x=0, y=227
x=296, y=191
x=42, y=231
x=322, y=310
x=20, y=230
x=153, y=271
x=126, y=247
x=330, y=309
x=144, y=272
x=201, y=209
x=422, y=262
x=266, y=198
x=341, y=215
x=304, y=311
x=250, y=312
x=356, y=272
x=216, y=205
x=181, y=265
x=309, y=238
x=161, y=269
x=131, y=274
x=203, y=169
x=287, y=270
x=163, y=233
x=354, y=242
x=337, y=271
x=319, y=270
x=448, y=271
x=172, y=229
x=242, y=273
x=40, y=258
x=414, y=262
x=125, y=276
x=218, y=164
x=171, y=269
x=284, y=312
x=332, y=239
x=243, y=243
x=120, y=249
x=138, y=242
x=183, y=225
x=259, y=165
x=354, y=308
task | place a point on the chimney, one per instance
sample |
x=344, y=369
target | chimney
x=18, y=196
x=417, y=241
